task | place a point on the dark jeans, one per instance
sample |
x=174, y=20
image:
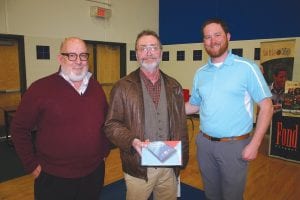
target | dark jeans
x=49, y=187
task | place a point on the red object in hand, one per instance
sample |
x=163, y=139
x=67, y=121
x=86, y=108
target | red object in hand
x=186, y=95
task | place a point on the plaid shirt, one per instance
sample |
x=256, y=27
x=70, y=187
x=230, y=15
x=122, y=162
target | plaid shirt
x=153, y=89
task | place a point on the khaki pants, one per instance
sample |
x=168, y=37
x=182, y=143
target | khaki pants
x=161, y=181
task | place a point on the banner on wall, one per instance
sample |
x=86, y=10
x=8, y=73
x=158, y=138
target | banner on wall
x=285, y=138
x=277, y=60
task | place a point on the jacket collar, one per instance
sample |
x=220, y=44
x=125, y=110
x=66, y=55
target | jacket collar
x=135, y=76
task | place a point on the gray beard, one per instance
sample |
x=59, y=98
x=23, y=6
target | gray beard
x=150, y=66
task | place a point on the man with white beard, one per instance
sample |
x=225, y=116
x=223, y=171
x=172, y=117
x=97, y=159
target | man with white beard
x=147, y=105
x=67, y=110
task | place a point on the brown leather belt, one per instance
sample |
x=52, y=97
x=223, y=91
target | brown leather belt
x=226, y=139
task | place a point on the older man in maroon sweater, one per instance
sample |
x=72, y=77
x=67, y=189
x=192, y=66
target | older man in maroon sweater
x=67, y=109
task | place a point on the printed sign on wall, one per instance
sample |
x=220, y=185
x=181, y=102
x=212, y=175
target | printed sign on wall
x=285, y=138
x=277, y=59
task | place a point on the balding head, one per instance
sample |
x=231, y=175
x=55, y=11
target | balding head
x=65, y=45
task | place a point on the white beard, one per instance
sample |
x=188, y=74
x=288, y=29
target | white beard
x=75, y=77
x=150, y=66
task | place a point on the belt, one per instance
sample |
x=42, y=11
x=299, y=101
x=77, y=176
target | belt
x=226, y=139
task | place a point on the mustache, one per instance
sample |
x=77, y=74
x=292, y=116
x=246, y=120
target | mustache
x=151, y=58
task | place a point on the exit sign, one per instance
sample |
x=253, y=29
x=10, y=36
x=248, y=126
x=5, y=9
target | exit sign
x=100, y=12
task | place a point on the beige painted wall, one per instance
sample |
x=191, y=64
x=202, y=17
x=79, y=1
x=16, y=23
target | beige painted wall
x=61, y=18
x=184, y=71
x=47, y=22
x=2, y=16
x=35, y=68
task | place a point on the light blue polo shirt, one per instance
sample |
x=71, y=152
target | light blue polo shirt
x=225, y=95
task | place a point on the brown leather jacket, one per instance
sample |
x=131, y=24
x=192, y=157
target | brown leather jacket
x=125, y=120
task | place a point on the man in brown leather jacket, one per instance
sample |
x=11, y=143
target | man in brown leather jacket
x=147, y=105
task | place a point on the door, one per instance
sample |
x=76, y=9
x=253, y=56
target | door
x=9, y=75
x=107, y=62
x=91, y=58
x=108, y=67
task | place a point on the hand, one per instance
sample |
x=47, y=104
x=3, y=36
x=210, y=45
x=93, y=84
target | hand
x=37, y=171
x=249, y=153
x=137, y=145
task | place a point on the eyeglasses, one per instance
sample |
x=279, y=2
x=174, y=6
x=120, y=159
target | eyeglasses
x=74, y=56
x=151, y=48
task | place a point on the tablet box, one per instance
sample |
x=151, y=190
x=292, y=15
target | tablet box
x=162, y=153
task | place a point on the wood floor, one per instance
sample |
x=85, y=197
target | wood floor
x=268, y=178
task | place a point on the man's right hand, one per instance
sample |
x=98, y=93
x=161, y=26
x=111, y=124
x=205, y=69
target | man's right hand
x=137, y=145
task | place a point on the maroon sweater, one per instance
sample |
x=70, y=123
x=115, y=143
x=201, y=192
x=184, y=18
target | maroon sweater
x=70, y=142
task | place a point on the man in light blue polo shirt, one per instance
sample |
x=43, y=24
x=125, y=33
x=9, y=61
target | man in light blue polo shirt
x=223, y=93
